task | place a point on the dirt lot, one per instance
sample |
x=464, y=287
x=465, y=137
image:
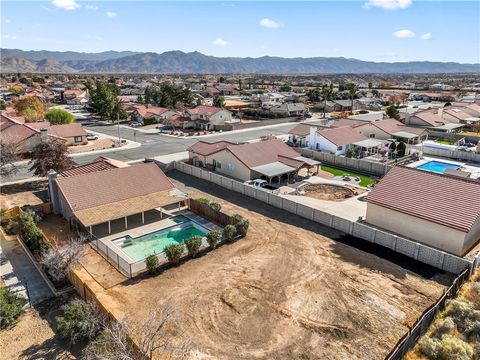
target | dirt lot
x=33, y=337
x=29, y=193
x=285, y=291
x=331, y=192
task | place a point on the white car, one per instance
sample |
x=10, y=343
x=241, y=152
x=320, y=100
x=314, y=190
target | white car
x=91, y=137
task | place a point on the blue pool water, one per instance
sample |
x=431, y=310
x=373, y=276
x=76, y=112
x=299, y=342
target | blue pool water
x=437, y=166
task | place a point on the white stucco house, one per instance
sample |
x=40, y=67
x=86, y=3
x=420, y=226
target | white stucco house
x=438, y=210
x=336, y=141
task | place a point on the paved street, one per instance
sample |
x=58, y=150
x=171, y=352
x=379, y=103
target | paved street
x=159, y=144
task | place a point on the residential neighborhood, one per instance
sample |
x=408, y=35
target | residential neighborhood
x=206, y=180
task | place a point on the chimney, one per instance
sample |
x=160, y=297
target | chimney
x=407, y=118
x=44, y=134
x=440, y=112
x=53, y=192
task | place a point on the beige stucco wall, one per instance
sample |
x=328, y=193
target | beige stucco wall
x=435, y=235
x=237, y=169
x=368, y=129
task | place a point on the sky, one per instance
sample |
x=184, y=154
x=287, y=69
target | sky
x=373, y=30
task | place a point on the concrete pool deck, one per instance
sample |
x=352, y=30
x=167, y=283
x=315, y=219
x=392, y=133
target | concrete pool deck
x=473, y=169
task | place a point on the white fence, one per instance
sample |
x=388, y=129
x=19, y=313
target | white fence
x=413, y=249
x=363, y=166
x=452, y=154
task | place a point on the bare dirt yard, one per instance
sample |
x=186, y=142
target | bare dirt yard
x=331, y=192
x=33, y=336
x=28, y=193
x=291, y=289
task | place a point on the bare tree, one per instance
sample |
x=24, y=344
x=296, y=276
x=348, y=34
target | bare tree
x=151, y=335
x=58, y=262
x=10, y=150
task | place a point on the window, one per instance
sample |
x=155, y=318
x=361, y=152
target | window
x=339, y=148
x=231, y=167
x=78, y=139
x=217, y=164
x=372, y=135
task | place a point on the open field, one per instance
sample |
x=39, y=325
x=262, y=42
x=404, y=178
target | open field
x=285, y=291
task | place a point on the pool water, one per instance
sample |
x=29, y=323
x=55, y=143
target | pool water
x=438, y=166
x=154, y=243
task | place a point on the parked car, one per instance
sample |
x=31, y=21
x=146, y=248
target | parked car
x=91, y=137
x=134, y=124
x=260, y=184
x=165, y=128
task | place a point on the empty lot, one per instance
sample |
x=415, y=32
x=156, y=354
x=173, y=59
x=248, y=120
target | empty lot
x=287, y=290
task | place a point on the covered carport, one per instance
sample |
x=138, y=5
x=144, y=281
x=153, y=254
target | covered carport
x=275, y=170
x=367, y=147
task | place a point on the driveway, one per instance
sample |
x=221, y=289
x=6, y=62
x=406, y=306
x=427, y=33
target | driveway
x=19, y=273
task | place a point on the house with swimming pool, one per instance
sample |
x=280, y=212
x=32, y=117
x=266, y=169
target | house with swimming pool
x=130, y=211
x=439, y=210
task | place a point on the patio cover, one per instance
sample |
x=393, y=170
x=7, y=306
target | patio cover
x=308, y=161
x=369, y=143
x=273, y=169
x=450, y=126
x=405, y=135
x=107, y=212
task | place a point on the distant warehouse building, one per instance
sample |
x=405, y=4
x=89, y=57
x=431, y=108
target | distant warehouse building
x=442, y=211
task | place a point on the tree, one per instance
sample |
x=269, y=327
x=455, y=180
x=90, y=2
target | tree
x=30, y=107
x=285, y=88
x=213, y=237
x=375, y=93
x=80, y=321
x=103, y=99
x=11, y=307
x=59, y=116
x=168, y=95
x=326, y=92
x=10, y=149
x=313, y=95
x=352, y=91
x=58, y=262
x=219, y=101
x=174, y=252
x=29, y=231
x=229, y=232
x=17, y=90
x=152, y=262
x=193, y=245
x=3, y=105
x=401, y=149
x=392, y=112
x=50, y=155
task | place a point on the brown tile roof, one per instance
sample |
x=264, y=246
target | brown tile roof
x=67, y=130
x=145, y=111
x=443, y=199
x=300, y=130
x=99, y=164
x=457, y=113
x=204, y=148
x=392, y=126
x=430, y=118
x=204, y=110
x=18, y=132
x=112, y=186
x=261, y=153
x=474, y=107
x=342, y=135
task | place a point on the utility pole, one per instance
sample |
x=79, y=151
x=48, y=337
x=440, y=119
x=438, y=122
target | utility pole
x=118, y=127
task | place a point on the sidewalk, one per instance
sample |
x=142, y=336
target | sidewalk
x=18, y=272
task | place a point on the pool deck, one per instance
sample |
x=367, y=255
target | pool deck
x=473, y=169
x=151, y=227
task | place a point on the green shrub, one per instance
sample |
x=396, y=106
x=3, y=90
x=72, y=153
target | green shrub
x=173, y=252
x=452, y=348
x=204, y=201
x=149, y=121
x=80, y=321
x=213, y=237
x=29, y=230
x=152, y=262
x=229, y=232
x=193, y=245
x=242, y=227
x=428, y=346
x=215, y=206
x=236, y=218
x=59, y=116
x=11, y=307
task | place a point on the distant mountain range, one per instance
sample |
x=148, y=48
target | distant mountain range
x=14, y=60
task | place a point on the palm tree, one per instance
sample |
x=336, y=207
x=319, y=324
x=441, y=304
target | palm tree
x=326, y=92
x=353, y=91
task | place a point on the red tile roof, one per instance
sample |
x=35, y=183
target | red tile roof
x=18, y=132
x=151, y=111
x=430, y=118
x=99, y=164
x=392, y=126
x=203, y=148
x=447, y=200
x=98, y=188
x=342, y=135
x=204, y=110
x=300, y=130
x=67, y=130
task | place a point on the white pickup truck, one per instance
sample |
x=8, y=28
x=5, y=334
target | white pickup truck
x=261, y=184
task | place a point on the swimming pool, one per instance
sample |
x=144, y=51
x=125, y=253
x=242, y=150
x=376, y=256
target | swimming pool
x=154, y=243
x=438, y=166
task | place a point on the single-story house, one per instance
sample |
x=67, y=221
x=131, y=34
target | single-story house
x=299, y=135
x=206, y=117
x=72, y=134
x=75, y=97
x=392, y=129
x=108, y=196
x=271, y=160
x=435, y=209
x=427, y=118
x=291, y=109
x=472, y=109
x=143, y=112
x=336, y=141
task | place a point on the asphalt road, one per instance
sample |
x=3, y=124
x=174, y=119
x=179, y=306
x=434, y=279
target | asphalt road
x=158, y=144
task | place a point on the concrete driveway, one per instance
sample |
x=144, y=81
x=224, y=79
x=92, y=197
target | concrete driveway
x=19, y=273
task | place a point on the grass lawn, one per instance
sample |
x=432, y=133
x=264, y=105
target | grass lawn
x=470, y=133
x=444, y=142
x=364, y=180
